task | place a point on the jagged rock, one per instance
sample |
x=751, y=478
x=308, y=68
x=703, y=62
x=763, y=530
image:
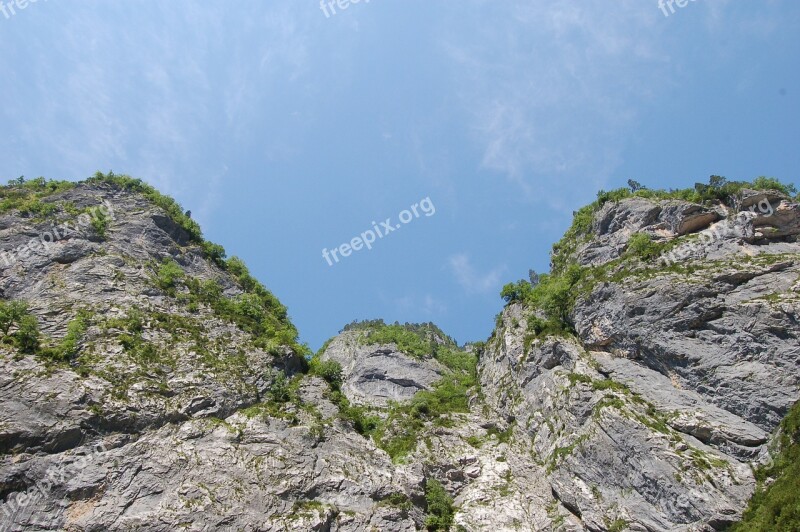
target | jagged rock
x=648, y=418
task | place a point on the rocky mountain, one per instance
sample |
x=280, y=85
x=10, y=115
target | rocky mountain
x=147, y=382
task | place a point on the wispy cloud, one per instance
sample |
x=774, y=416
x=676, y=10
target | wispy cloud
x=165, y=96
x=470, y=279
x=554, y=94
x=427, y=305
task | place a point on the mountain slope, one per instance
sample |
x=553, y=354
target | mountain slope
x=149, y=383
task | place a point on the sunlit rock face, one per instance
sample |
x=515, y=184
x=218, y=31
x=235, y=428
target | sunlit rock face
x=167, y=390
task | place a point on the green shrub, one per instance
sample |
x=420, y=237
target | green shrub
x=555, y=295
x=417, y=340
x=457, y=360
x=776, y=502
x=281, y=391
x=35, y=207
x=398, y=500
x=215, y=252
x=541, y=327
x=134, y=321
x=26, y=337
x=642, y=246
x=100, y=224
x=26, y=196
x=67, y=349
x=516, y=292
x=439, y=506
x=140, y=350
x=616, y=525
x=503, y=436
x=616, y=195
x=257, y=312
x=770, y=183
x=169, y=273
x=330, y=370
x=362, y=420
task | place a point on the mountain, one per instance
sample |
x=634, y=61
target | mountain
x=647, y=382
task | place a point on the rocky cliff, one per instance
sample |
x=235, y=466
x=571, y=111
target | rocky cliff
x=149, y=383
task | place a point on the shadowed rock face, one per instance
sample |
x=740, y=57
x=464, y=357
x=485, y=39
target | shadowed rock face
x=703, y=353
x=649, y=417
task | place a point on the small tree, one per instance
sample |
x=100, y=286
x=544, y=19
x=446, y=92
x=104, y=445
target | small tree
x=27, y=334
x=279, y=391
x=716, y=181
x=215, y=252
x=635, y=185
x=169, y=273
x=518, y=291
x=10, y=313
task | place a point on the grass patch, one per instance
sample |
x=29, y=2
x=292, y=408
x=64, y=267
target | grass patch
x=399, y=434
x=418, y=340
x=67, y=349
x=560, y=453
x=19, y=327
x=555, y=293
x=26, y=196
x=776, y=502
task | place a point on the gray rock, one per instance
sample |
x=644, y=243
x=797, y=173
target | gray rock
x=650, y=416
x=377, y=374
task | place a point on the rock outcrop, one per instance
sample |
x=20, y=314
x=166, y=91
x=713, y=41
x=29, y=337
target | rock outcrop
x=377, y=374
x=166, y=388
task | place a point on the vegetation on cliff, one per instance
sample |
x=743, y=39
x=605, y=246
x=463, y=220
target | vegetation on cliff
x=554, y=294
x=256, y=310
x=776, y=502
x=399, y=428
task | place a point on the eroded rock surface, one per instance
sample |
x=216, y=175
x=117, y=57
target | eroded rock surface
x=178, y=411
x=377, y=374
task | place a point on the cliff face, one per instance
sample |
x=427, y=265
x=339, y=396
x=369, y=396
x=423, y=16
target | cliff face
x=148, y=383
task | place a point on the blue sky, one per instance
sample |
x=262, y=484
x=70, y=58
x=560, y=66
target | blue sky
x=286, y=131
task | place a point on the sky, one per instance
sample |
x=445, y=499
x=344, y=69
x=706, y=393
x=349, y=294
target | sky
x=288, y=129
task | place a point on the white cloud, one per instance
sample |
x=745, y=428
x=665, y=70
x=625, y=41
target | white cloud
x=552, y=87
x=433, y=306
x=427, y=305
x=473, y=281
x=164, y=93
